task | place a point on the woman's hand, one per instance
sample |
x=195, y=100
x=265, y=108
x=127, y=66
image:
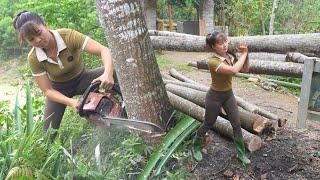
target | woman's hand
x=106, y=81
x=242, y=48
x=74, y=104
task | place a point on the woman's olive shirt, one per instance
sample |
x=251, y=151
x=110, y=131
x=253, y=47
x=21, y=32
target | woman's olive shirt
x=220, y=82
x=69, y=62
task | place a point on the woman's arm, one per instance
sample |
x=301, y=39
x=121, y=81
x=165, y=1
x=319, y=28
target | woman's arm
x=54, y=95
x=246, y=64
x=95, y=48
x=232, y=70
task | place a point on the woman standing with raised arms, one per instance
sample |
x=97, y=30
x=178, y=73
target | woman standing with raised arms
x=222, y=66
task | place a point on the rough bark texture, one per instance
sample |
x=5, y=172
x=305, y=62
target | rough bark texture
x=267, y=56
x=222, y=126
x=304, y=43
x=249, y=121
x=267, y=67
x=149, y=10
x=134, y=60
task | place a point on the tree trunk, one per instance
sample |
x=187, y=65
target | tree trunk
x=267, y=67
x=249, y=121
x=222, y=126
x=206, y=14
x=272, y=16
x=170, y=16
x=304, y=43
x=261, y=15
x=134, y=60
x=149, y=11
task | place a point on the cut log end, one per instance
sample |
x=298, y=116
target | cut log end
x=254, y=144
x=282, y=122
x=259, y=125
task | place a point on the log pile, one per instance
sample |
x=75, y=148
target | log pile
x=188, y=96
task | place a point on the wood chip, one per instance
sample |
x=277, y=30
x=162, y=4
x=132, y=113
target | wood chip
x=228, y=173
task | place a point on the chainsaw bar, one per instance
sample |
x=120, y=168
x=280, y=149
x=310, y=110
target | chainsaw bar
x=131, y=123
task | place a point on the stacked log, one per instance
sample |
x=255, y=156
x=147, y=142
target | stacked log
x=269, y=43
x=289, y=69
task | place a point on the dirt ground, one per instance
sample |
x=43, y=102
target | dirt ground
x=291, y=153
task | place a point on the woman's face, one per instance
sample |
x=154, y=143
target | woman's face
x=221, y=45
x=41, y=40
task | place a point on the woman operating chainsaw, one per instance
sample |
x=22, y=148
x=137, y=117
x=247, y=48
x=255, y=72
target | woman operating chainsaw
x=57, y=64
x=222, y=65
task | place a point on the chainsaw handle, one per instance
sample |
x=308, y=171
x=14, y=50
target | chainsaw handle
x=94, y=87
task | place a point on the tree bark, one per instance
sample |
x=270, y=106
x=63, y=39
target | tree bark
x=267, y=67
x=222, y=126
x=304, y=43
x=134, y=60
x=249, y=121
x=267, y=56
x=149, y=11
x=272, y=16
x=206, y=14
x=170, y=16
x=296, y=57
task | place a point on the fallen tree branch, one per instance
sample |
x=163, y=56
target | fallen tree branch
x=261, y=79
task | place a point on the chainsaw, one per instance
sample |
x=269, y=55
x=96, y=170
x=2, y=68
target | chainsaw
x=103, y=109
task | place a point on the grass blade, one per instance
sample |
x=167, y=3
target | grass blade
x=175, y=144
x=29, y=110
x=17, y=115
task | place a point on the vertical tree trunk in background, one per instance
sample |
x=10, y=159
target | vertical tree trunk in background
x=206, y=13
x=263, y=28
x=134, y=60
x=170, y=16
x=223, y=15
x=149, y=11
x=272, y=16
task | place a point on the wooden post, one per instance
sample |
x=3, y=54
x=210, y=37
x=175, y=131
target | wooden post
x=305, y=93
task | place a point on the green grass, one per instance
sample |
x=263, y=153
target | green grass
x=166, y=63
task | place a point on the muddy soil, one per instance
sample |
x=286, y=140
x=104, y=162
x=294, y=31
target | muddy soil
x=291, y=153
